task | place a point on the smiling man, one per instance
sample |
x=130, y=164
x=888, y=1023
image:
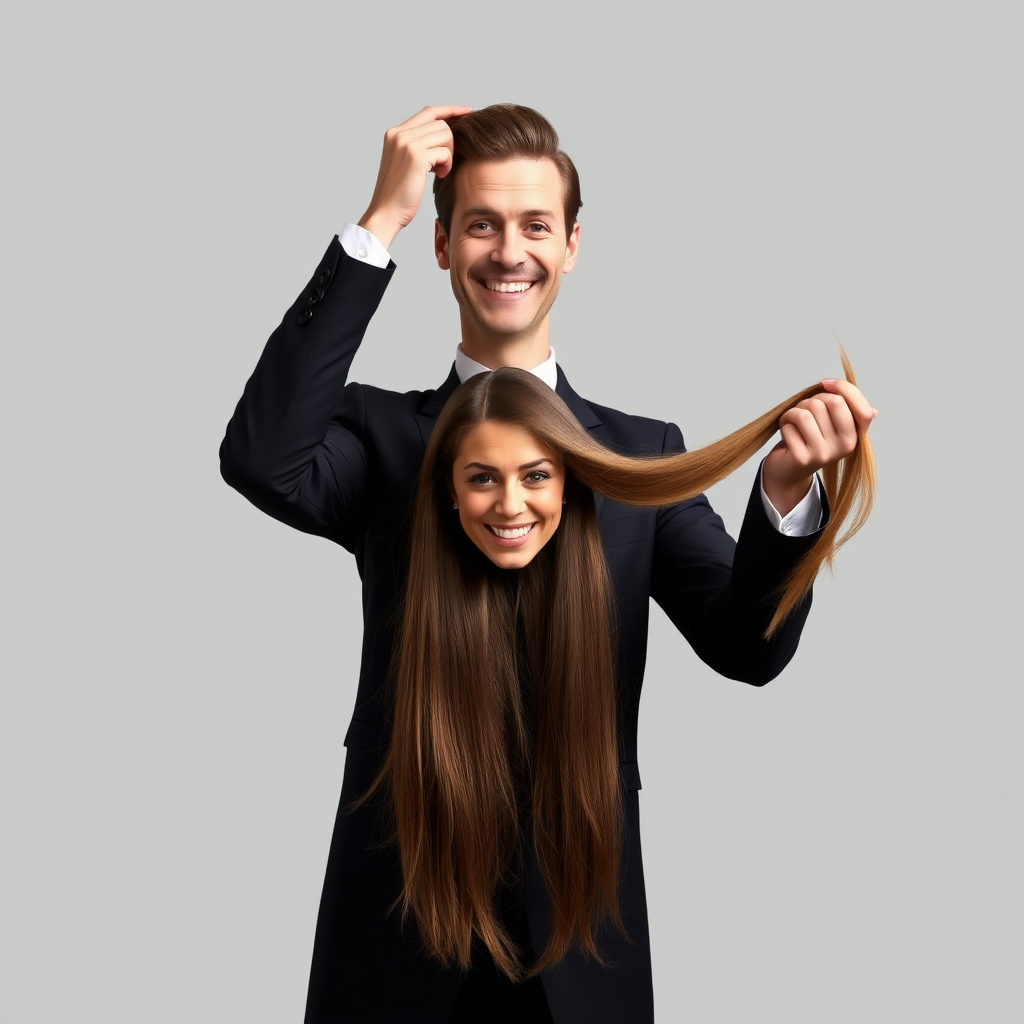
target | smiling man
x=340, y=460
x=506, y=250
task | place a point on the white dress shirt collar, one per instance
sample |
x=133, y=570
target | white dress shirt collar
x=466, y=368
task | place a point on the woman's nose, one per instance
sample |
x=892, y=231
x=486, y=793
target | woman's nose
x=511, y=502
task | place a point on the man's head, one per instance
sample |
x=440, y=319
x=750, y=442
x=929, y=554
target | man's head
x=504, y=131
x=506, y=231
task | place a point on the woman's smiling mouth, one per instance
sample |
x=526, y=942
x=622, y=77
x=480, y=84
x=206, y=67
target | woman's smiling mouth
x=511, y=532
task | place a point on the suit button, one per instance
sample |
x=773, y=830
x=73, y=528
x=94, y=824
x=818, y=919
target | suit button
x=315, y=296
x=325, y=276
x=305, y=315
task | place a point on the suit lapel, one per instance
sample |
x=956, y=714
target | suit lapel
x=426, y=415
x=587, y=417
x=579, y=408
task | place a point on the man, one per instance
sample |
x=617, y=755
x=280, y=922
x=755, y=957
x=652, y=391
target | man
x=341, y=461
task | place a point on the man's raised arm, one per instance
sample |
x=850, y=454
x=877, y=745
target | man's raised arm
x=293, y=446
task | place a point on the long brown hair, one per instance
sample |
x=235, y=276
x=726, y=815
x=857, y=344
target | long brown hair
x=505, y=679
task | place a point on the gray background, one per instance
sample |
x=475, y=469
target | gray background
x=760, y=181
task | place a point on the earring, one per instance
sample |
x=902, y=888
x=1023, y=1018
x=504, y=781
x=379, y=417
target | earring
x=455, y=505
x=563, y=501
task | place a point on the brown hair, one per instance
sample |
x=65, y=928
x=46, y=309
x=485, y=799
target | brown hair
x=504, y=131
x=470, y=755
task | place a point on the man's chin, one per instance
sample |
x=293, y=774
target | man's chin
x=506, y=329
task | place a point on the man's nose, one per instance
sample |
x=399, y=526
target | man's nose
x=509, y=249
x=511, y=501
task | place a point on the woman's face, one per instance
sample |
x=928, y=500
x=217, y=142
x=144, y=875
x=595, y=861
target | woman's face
x=508, y=488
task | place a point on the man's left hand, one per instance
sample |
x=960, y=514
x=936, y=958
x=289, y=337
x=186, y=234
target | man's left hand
x=818, y=431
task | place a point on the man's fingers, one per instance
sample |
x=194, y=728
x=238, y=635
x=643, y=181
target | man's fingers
x=796, y=443
x=835, y=419
x=441, y=167
x=426, y=130
x=802, y=433
x=429, y=145
x=440, y=160
x=862, y=410
x=428, y=114
x=819, y=430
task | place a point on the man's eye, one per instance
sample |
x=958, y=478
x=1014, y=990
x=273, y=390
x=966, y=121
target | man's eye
x=538, y=229
x=480, y=227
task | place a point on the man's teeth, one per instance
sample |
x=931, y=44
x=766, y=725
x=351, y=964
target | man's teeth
x=519, y=531
x=508, y=286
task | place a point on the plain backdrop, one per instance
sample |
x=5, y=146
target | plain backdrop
x=761, y=181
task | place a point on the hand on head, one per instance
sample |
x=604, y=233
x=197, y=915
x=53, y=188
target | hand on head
x=412, y=150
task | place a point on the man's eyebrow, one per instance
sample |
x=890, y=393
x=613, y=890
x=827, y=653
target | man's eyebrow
x=494, y=469
x=490, y=212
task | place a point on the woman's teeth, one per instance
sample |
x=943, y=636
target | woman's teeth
x=518, y=531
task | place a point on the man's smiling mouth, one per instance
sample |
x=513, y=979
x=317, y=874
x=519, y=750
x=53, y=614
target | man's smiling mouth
x=508, y=286
x=514, y=533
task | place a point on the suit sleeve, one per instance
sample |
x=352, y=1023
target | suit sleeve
x=294, y=446
x=721, y=593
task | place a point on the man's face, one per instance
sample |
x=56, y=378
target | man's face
x=508, y=488
x=507, y=250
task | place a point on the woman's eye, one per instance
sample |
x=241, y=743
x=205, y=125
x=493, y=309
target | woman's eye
x=537, y=476
x=481, y=478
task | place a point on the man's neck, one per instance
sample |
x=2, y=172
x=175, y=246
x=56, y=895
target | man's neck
x=522, y=352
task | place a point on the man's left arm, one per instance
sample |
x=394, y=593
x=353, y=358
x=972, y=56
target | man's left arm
x=721, y=595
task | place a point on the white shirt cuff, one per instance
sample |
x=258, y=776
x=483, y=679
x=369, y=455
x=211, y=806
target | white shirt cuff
x=361, y=245
x=802, y=520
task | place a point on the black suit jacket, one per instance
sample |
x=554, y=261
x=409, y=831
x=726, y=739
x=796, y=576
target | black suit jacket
x=341, y=461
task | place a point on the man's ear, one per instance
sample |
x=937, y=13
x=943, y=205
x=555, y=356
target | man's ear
x=572, y=246
x=441, y=247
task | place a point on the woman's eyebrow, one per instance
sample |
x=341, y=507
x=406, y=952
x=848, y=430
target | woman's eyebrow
x=494, y=469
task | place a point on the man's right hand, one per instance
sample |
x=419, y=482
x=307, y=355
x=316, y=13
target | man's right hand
x=411, y=151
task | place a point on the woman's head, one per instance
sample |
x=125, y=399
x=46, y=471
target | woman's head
x=507, y=487
x=498, y=454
